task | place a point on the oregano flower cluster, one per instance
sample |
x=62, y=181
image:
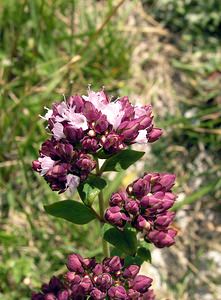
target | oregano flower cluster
x=83, y=130
x=145, y=205
x=88, y=279
x=81, y=126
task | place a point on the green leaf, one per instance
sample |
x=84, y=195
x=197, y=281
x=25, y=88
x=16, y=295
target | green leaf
x=133, y=260
x=96, y=181
x=116, y=252
x=102, y=155
x=125, y=241
x=71, y=211
x=122, y=160
x=144, y=253
x=90, y=189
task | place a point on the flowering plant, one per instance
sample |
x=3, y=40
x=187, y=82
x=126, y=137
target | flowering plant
x=85, y=130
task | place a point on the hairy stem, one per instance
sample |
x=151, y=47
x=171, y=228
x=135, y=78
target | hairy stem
x=101, y=212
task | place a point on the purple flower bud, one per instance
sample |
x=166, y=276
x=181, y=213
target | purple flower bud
x=70, y=276
x=133, y=295
x=114, y=216
x=131, y=271
x=115, y=264
x=128, y=109
x=98, y=269
x=74, y=263
x=142, y=224
x=129, y=130
x=72, y=134
x=118, y=199
x=139, y=188
x=141, y=283
x=167, y=181
x=154, y=202
x=164, y=219
x=145, y=202
x=86, y=284
x=154, y=135
x=117, y=293
x=162, y=238
x=112, y=142
x=132, y=207
x=57, y=177
x=45, y=288
x=65, y=152
x=167, y=201
x=63, y=295
x=76, y=280
x=48, y=148
x=55, y=284
x=50, y=296
x=77, y=102
x=77, y=292
x=144, y=122
x=96, y=294
x=85, y=163
x=104, y=281
x=101, y=124
x=89, y=263
x=37, y=296
x=90, y=144
x=59, y=171
x=90, y=112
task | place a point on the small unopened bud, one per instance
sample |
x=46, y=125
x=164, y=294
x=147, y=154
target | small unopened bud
x=154, y=135
x=74, y=263
x=141, y=283
x=117, y=292
x=131, y=271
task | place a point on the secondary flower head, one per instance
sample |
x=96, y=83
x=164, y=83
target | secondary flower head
x=88, y=279
x=144, y=205
x=62, y=166
x=83, y=125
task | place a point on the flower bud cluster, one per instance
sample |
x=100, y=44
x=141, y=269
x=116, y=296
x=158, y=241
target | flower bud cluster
x=83, y=125
x=145, y=205
x=62, y=166
x=87, y=279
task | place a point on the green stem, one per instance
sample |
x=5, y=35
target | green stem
x=101, y=212
x=101, y=209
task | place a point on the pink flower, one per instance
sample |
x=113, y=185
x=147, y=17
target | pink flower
x=72, y=183
x=58, y=131
x=46, y=164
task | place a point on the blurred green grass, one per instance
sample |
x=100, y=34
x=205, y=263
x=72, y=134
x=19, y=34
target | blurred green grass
x=51, y=48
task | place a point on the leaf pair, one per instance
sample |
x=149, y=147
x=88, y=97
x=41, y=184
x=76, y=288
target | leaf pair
x=80, y=213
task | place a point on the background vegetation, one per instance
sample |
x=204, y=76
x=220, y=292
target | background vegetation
x=164, y=52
